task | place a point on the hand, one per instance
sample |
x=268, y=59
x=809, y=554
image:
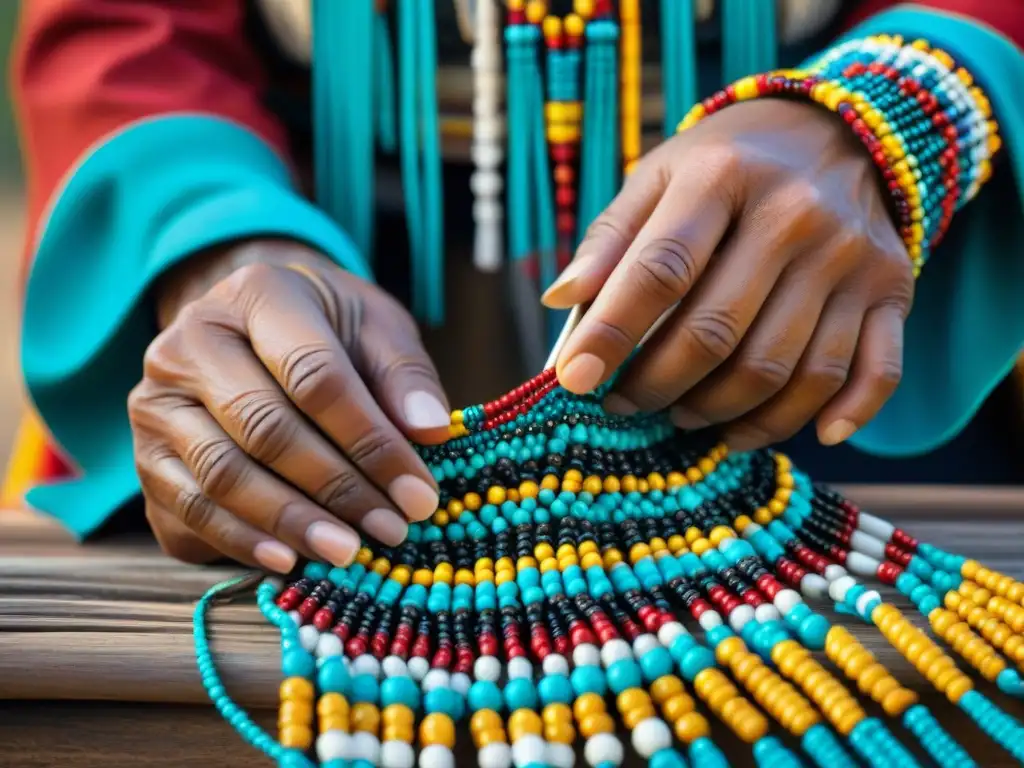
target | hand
x=274, y=410
x=766, y=224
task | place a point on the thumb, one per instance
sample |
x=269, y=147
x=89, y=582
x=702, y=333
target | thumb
x=400, y=374
x=609, y=237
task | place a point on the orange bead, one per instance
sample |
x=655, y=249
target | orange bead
x=296, y=737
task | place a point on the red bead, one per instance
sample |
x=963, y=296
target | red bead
x=565, y=196
x=323, y=619
x=888, y=573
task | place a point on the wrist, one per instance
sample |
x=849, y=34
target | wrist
x=193, y=277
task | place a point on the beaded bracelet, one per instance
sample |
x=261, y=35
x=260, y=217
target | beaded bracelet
x=925, y=124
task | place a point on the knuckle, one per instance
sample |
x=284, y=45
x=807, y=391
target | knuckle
x=195, y=509
x=370, y=447
x=722, y=159
x=266, y=425
x=715, y=331
x=340, y=492
x=828, y=374
x=219, y=466
x=311, y=377
x=405, y=367
x=886, y=375
x=161, y=356
x=798, y=206
x=765, y=373
x=665, y=269
x=605, y=227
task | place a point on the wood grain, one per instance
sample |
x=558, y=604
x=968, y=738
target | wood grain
x=111, y=624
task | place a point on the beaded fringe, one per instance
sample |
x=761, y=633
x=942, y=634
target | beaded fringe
x=589, y=575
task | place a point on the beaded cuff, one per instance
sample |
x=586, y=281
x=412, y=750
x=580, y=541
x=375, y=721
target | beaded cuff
x=589, y=575
x=919, y=114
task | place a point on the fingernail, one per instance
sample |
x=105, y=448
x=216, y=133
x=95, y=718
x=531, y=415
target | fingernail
x=417, y=499
x=619, y=406
x=334, y=544
x=687, y=419
x=424, y=411
x=553, y=296
x=582, y=374
x=385, y=526
x=275, y=556
x=837, y=432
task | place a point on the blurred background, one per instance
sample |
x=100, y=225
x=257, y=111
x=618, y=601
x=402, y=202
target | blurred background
x=11, y=243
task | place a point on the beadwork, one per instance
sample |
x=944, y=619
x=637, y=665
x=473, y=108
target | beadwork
x=587, y=573
x=919, y=115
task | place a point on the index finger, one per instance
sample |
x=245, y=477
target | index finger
x=658, y=269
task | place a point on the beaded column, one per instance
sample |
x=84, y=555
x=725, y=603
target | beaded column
x=488, y=127
x=630, y=106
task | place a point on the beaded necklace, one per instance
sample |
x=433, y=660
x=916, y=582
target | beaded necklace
x=588, y=573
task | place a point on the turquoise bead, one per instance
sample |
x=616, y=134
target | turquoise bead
x=520, y=694
x=484, y=694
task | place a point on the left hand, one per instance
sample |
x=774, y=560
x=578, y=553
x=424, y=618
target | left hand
x=767, y=224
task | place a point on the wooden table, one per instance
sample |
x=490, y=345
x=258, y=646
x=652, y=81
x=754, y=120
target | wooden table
x=96, y=660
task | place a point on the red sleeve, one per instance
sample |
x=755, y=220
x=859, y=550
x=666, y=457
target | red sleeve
x=83, y=69
x=1004, y=16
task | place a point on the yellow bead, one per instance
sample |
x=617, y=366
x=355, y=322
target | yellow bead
x=524, y=722
x=402, y=574
x=297, y=688
x=665, y=687
x=594, y=724
x=638, y=552
x=465, y=576
x=556, y=713
x=535, y=11
x=397, y=714
x=593, y=485
x=762, y=516
x=676, y=544
x=528, y=489
x=296, y=737
x=690, y=727
x=552, y=26
x=472, y=501
x=591, y=560
x=423, y=577
x=443, y=574
x=694, y=475
x=631, y=698
x=675, y=479
x=485, y=719
x=677, y=706
x=295, y=711
x=721, y=533
x=574, y=25
x=543, y=551
x=728, y=648
x=611, y=484
x=612, y=557
x=333, y=723
x=633, y=717
x=700, y=546
x=364, y=556
x=437, y=728
x=656, y=481
x=365, y=717
x=560, y=733
x=398, y=732
x=588, y=704
x=381, y=566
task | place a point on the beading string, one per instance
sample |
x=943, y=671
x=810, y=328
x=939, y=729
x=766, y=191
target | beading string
x=586, y=573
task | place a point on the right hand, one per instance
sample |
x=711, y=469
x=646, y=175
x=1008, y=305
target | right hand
x=275, y=409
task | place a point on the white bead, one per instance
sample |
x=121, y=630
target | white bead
x=766, y=612
x=813, y=586
x=651, y=735
x=519, y=667
x=740, y=616
x=334, y=745
x=555, y=664
x=435, y=678
x=725, y=543
x=437, y=756
x=669, y=631
x=329, y=645
x=418, y=668
x=485, y=183
x=487, y=668
x=869, y=545
x=495, y=755
x=308, y=637
x=295, y=617
x=645, y=643
x=875, y=526
x=365, y=746
x=394, y=666
x=276, y=583
x=866, y=599
x=560, y=755
x=487, y=211
x=487, y=155
x=366, y=665
x=397, y=754
x=586, y=655
x=614, y=650
x=603, y=748
x=750, y=530
x=461, y=683
x=837, y=589
x=862, y=565
x=529, y=749
x=709, y=620
x=833, y=572
x=786, y=600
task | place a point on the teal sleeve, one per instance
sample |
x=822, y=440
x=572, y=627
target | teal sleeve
x=139, y=203
x=967, y=325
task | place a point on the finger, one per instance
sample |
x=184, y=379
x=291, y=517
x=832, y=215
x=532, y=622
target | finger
x=189, y=526
x=710, y=324
x=766, y=359
x=877, y=369
x=820, y=374
x=229, y=478
x=400, y=374
x=659, y=268
x=302, y=352
x=609, y=236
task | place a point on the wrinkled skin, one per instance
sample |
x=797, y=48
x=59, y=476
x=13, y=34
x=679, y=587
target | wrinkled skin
x=767, y=225
x=275, y=407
